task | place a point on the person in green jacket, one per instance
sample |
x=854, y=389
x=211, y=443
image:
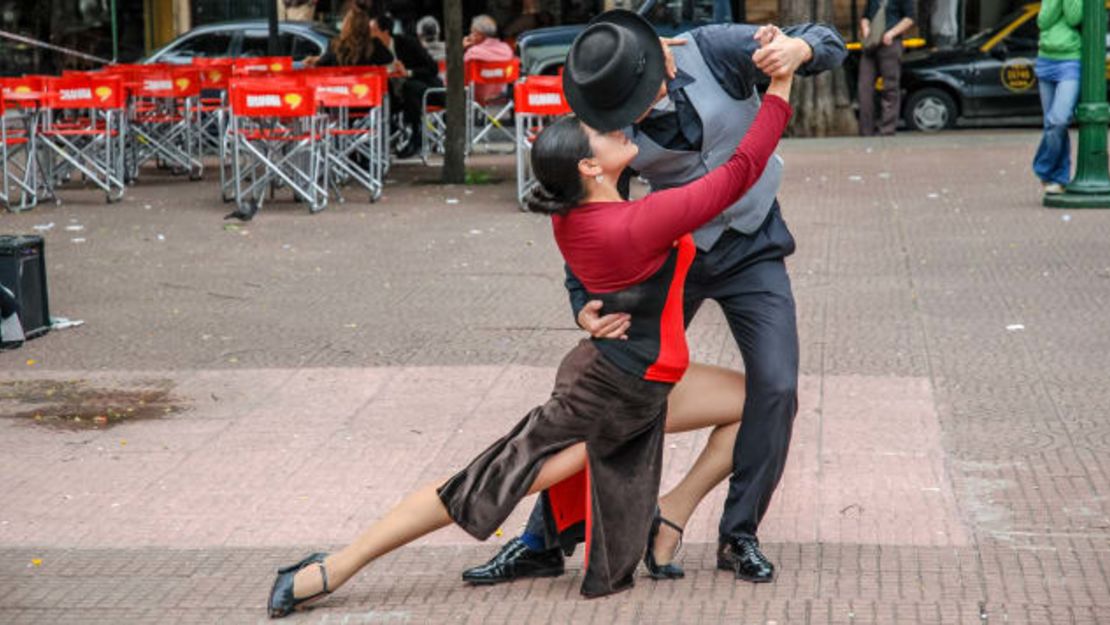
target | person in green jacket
x=1057, y=72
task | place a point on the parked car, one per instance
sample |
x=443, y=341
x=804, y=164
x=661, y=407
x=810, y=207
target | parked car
x=544, y=50
x=987, y=79
x=245, y=38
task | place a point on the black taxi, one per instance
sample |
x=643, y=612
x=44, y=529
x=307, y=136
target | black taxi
x=986, y=79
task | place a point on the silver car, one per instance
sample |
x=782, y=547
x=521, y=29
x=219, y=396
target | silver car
x=245, y=38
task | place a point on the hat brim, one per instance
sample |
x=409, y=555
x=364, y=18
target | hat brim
x=643, y=94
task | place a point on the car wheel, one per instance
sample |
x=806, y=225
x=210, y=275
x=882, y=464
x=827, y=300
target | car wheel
x=930, y=110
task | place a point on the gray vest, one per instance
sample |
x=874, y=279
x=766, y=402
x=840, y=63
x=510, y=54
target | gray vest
x=725, y=121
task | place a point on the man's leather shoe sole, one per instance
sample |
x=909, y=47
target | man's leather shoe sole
x=492, y=581
x=725, y=565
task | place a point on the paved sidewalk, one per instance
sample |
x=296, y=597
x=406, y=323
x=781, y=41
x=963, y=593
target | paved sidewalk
x=273, y=387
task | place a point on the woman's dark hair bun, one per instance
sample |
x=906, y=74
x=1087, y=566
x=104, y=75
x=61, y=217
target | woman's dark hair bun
x=540, y=199
x=555, y=156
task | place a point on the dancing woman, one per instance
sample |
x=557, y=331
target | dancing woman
x=609, y=395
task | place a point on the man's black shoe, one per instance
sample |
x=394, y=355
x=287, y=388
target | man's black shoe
x=410, y=150
x=743, y=557
x=516, y=561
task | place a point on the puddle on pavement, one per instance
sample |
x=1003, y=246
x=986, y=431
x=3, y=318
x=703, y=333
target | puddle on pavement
x=76, y=405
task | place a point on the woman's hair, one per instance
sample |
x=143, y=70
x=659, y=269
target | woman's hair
x=353, y=44
x=428, y=28
x=555, y=156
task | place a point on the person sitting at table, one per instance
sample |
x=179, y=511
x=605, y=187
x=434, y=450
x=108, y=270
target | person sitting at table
x=417, y=72
x=354, y=45
x=429, y=32
x=482, y=44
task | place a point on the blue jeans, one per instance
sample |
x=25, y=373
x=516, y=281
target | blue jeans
x=1059, y=87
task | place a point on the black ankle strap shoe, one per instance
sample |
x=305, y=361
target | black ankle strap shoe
x=669, y=570
x=282, y=602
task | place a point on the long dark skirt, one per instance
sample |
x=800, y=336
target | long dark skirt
x=621, y=419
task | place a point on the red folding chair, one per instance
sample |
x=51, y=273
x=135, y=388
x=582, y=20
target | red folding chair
x=489, y=114
x=382, y=121
x=84, y=131
x=277, y=139
x=538, y=101
x=486, y=115
x=261, y=65
x=164, y=118
x=214, y=76
x=18, y=119
x=353, y=141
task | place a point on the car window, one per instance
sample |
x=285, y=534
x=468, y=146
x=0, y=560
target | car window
x=1024, y=37
x=670, y=14
x=205, y=45
x=257, y=43
x=982, y=37
x=303, y=46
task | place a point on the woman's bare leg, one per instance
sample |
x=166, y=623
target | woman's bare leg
x=707, y=396
x=418, y=514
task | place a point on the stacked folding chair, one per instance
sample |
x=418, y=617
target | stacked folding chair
x=84, y=132
x=539, y=100
x=433, y=122
x=379, y=122
x=277, y=140
x=352, y=103
x=163, y=118
x=487, y=118
x=214, y=77
x=18, y=129
x=261, y=66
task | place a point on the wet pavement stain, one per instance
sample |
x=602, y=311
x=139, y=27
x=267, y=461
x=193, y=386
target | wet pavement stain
x=76, y=405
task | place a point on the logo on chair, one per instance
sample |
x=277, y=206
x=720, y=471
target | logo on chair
x=103, y=92
x=276, y=67
x=293, y=100
x=215, y=75
x=360, y=90
x=182, y=83
x=23, y=89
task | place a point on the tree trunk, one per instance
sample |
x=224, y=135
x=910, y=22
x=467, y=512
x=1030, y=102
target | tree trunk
x=454, y=159
x=822, y=103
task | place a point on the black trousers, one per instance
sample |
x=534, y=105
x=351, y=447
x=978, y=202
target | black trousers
x=411, y=95
x=746, y=276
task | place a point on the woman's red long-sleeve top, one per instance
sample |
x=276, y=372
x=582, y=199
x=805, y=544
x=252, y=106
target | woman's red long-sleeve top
x=633, y=256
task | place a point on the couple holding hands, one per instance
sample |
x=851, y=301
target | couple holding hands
x=685, y=115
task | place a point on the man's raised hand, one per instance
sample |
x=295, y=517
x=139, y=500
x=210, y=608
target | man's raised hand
x=668, y=56
x=779, y=54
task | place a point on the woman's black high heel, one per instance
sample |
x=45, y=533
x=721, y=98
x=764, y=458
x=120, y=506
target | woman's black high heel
x=282, y=603
x=656, y=570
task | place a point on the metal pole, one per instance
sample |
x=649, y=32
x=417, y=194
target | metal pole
x=49, y=46
x=273, y=48
x=115, y=32
x=1091, y=186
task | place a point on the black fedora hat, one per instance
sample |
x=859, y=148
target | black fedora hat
x=613, y=70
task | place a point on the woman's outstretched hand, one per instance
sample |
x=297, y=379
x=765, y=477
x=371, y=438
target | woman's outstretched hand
x=779, y=56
